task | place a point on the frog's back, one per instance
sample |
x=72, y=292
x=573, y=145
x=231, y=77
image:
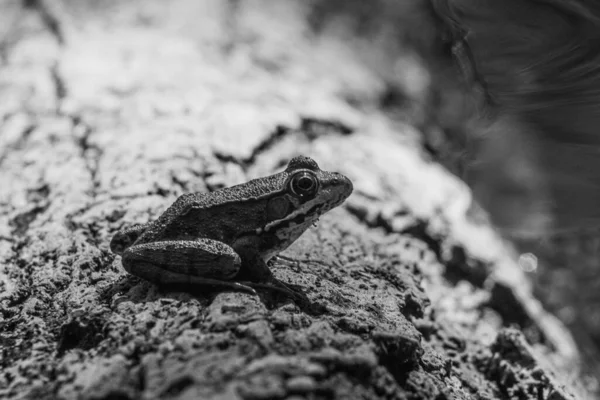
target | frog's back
x=251, y=190
x=221, y=215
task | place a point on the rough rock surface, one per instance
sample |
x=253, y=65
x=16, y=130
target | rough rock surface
x=109, y=110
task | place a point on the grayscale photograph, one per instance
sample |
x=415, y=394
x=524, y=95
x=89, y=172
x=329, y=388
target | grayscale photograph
x=300, y=199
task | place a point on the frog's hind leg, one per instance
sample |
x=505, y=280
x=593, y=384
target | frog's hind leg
x=185, y=262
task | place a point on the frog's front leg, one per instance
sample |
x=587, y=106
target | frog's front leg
x=263, y=278
x=255, y=273
x=190, y=262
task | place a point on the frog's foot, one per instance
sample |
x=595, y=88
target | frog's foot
x=278, y=286
x=194, y=281
x=126, y=237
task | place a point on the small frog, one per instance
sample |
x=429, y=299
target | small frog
x=227, y=237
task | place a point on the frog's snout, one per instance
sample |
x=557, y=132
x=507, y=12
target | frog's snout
x=344, y=183
x=338, y=187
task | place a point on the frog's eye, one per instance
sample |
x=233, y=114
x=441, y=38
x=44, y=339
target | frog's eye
x=304, y=184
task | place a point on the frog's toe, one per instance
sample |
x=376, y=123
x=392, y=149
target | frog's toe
x=278, y=286
x=244, y=288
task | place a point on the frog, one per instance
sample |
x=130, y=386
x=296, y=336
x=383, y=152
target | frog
x=227, y=237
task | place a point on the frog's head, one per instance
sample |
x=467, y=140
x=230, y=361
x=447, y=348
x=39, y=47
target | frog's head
x=307, y=193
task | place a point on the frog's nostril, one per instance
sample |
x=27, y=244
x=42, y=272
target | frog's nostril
x=338, y=178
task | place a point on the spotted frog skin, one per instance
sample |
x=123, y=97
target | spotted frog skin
x=227, y=237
